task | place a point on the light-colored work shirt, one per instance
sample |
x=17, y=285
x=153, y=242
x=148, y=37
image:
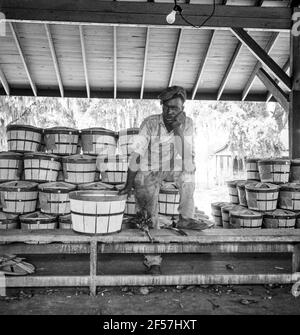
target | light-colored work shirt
x=156, y=146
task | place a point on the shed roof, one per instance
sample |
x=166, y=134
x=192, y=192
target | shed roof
x=44, y=56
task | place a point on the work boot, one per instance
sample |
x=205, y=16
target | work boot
x=154, y=270
x=194, y=224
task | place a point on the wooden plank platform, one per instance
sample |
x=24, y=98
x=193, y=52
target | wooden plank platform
x=166, y=241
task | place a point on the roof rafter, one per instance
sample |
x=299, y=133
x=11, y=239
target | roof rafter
x=175, y=56
x=16, y=39
x=203, y=63
x=54, y=59
x=83, y=52
x=229, y=69
x=4, y=82
x=145, y=62
x=262, y=56
x=115, y=60
x=276, y=91
x=257, y=66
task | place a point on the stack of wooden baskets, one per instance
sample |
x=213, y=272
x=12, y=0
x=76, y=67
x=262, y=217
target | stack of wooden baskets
x=269, y=198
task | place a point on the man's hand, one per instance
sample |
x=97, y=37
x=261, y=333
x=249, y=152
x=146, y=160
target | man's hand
x=126, y=190
x=178, y=123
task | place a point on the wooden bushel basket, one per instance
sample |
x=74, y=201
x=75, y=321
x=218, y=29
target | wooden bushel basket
x=126, y=140
x=289, y=196
x=38, y=220
x=23, y=138
x=54, y=197
x=41, y=167
x=78, y=169
x=61, y=140
x=97, y=185
x=168, y=200
x=245, y=218
x=19, y=197
x=274, y=170
x=8, y=221
x=97, y=212
x=280, y=218
x=98, y=141
x=252, y=169
x=233, y=192
x=11, y=166
x=216, y=212
x=295, y=171
x=113, y=169
x=65, y=221
x=225, y=210
x=262, y=197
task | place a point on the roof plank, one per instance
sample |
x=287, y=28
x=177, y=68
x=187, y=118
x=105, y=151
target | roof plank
x=82, y=43
x=115, y=60
x=54, y=59
x=32, y=84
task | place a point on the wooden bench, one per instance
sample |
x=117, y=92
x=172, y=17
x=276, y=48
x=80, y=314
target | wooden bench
x=166, y=241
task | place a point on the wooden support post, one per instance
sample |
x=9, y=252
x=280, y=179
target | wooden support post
x=93, y=267
x=2, y=285
x=296, y=258
x=294, y=110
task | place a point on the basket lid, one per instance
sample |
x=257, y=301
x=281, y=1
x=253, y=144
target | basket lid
x=98, y=131
x=61, y=130
x=263, y=187
x=252, y=160
x=19, y=185
x=98, y=185
x=274, y=161
x=37, y=216
x=290, y=187
x=231, y=207
x=11, y=155
x=129, y=131
x=65, y=218
x=218, y=205
x=57, y=187
x=99, y=195
x=245, y=213
x=24, y=127
x=233, y=183
x=243, y=183
x=41, y=156
x=79, y=158
x=8, y=216
x=280, y=213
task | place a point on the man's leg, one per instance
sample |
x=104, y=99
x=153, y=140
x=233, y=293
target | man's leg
x=147, y=186
x=186, y=186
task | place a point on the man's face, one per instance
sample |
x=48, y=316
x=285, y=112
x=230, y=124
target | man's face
x=171, y=109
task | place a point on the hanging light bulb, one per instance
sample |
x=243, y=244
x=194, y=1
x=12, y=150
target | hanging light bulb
x=171, y=17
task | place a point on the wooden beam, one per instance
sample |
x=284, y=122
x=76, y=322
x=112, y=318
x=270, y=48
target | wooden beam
x=251, y=79
x=81, y=93
x=175, y=56
x=15, y=36
x=271, y=85
x=54, y=59
x=203, y=63
x=294, y=115
x=262, y=56
x=145, y=62
x=83, y=52
x=115, y=61
x=229, y=69
x=4, y=82
x=285, y=68
x=146, y=14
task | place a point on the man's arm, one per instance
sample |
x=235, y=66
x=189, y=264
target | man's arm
x=134, y=162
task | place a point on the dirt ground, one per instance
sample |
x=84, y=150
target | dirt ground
x=269, y=299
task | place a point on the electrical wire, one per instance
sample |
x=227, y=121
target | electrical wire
x=179, y=11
